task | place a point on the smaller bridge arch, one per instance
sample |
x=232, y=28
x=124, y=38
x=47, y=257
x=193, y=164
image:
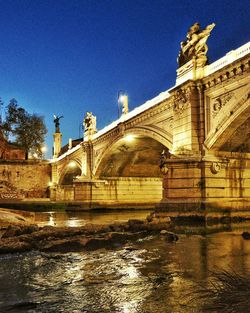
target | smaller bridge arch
x=70, y=170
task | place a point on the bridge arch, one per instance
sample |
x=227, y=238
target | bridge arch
x=134, y=152
x=233, y=131
x=71, y=169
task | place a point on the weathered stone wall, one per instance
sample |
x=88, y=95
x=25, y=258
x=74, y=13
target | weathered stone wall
x=220, y=182
x=24, y=179
x=115, y=192
x=228, y=179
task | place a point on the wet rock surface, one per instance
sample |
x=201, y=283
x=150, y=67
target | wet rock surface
x=14, y=217
x=246, y=235
x=88, y=237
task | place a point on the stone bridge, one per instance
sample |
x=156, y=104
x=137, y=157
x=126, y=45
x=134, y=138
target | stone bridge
x=187, y=148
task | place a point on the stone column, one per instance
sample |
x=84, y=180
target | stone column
x=184, y=182
x=186, y=118
x=88, y=166
x=83, y=184
x=57, y=144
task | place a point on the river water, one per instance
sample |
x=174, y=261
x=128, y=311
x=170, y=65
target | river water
x=150, y=275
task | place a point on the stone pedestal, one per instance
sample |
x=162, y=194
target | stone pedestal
x=57, y=144
x=192, y=70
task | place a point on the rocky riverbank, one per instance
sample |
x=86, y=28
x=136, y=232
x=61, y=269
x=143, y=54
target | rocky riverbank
x=89, y=237
x=15, y=217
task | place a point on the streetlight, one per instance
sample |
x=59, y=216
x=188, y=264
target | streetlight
x=43, y=150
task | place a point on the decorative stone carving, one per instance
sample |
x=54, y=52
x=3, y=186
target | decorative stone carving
x=89, y=124
x=228, y=73
x=97, y=152
x=165, y=155
x=216, y=107
x=181, y=98
x=123, y=148
x=194, y=47
x=215, y=167
x=121, y=129
x=220, y=102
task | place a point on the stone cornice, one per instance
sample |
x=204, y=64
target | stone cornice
x=231, y=71
x=165, y=105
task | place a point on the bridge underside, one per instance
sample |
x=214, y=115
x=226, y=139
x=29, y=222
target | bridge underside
x=128, y=176
x=132, y=156
x=239, y=141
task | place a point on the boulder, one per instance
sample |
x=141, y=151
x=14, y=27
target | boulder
x=14, y=231
x=13, y=246
x=65, y=245
x=246, y=235
x=14, y=217
x=169, y=236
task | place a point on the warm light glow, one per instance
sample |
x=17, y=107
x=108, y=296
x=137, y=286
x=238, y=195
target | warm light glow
x=35, y=155
x=43, y=149
x=51, y=221
x=129, y=138
x=122, y=98
x=72, y=164
x=50, y=183
x=72, y=222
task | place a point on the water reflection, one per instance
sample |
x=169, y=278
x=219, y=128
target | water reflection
x=75, y=219
x=148, y=276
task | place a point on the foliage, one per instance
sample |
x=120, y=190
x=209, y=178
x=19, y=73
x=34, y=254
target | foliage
x=1, y=106
x=27, y=129
x=227, y=292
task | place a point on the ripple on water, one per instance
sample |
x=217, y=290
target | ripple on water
x=149, y=276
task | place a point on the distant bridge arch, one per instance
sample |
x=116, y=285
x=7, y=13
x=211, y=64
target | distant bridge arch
x=69, y=171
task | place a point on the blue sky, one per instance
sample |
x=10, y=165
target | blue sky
x=68, y=57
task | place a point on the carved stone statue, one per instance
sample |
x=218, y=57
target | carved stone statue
x=89, y=123
x=195, y=45
x=57, y=123
x=165, y=156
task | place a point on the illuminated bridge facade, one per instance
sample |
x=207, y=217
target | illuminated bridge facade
x=187, y=148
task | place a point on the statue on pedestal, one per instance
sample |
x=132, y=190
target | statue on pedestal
x=89, y=123
x=195, y=47
x=165, y=156
x=57, y=123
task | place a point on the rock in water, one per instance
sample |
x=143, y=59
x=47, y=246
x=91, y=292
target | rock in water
x=246, y=235
x=169, y=235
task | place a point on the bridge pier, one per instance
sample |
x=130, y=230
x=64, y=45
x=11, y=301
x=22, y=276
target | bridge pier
x=209, y=169
x=214, y=185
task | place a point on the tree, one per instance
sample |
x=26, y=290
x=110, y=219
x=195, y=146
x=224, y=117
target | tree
x=27, y=129
x=1, y=106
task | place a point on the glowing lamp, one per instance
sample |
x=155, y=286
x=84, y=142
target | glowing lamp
x=43, y=149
